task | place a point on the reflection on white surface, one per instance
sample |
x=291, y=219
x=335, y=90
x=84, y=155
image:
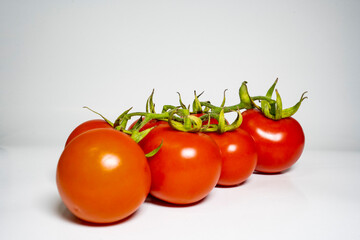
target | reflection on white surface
x=110, y=161
x=188, y=153
x=271, y=136
x=307, y=195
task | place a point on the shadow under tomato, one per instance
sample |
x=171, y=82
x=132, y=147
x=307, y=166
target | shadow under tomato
x=275, y=173
x=62, y=211
x=153, y=200
x=233, y=186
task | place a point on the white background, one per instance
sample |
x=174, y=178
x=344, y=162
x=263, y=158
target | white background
x=58, y=56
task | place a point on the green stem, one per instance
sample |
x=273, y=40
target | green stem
x=273, y=109
x=260, y=98
x=246, y=102
x=108, y=121
x=157, y=116
x=216, y=109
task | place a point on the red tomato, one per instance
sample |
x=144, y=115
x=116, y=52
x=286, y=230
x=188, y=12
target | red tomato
x=279, y=143
x=150, y=124
x=239, y=157
x=86, y=126
x=103, y=176
x=187, y=166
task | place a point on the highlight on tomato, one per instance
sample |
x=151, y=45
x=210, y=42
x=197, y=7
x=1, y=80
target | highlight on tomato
x=103, y=176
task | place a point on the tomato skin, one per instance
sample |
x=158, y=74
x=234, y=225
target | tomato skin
x=186, y=168
x=279, y=143
x=239, y=156
x=86, y=126
x=103, y=176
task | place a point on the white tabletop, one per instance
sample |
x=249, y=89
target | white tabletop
x=319, y=198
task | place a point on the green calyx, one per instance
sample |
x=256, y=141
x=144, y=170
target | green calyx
x=121, y=122
x=153, y=152
x=150, y=106
x=197, y=108
x=203, y=112
x=273, y=109
x=187, y=122
x=223, y=126
x=181, y=119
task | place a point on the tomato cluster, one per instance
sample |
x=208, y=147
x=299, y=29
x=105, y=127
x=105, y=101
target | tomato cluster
x=107, y=169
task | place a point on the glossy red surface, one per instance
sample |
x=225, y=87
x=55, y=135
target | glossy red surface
x=239, y=157
x=103, y=176
x=186, y=168
x=279, y=143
